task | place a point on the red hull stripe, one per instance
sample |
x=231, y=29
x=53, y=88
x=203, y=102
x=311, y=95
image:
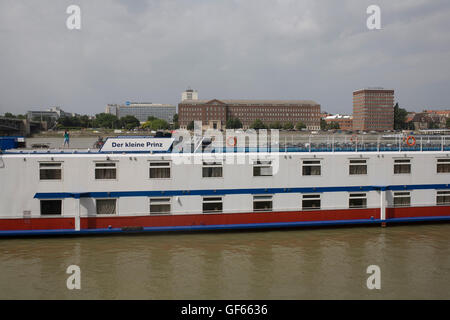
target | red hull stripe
x=220, y=221
x=180, y=220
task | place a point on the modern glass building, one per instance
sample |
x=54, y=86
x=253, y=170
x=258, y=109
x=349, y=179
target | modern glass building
x=143, y=110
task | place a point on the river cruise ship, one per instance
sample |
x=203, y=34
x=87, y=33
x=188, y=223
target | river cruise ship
x=167, y=184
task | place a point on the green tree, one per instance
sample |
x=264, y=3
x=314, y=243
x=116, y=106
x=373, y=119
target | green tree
x=176, y=124
x=258, y=124
x=106, y=120
x=329, y=126
x=276, y=125
x=69, y=122
x=333, y=126
x=400, y=118
x=160, y=124
x=434, y=125
x=300, y=125
x=156, y=124
x=448, y=123
x=190, y=126
x=85, y=121
x=18, y=116
x=147, y=125
x=233, y=123
x=288, y=126
x=129, y=122
x=74, y=122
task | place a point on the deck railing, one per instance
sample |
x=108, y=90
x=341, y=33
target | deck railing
x=293, y=143
x=340, y=144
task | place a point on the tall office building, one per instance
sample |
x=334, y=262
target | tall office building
x=373, y=109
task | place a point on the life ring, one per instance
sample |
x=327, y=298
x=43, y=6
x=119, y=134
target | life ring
x=408, y=141
x=354, y=137
x=233, y=140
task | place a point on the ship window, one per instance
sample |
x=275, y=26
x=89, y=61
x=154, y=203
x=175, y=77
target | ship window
x=212, y=204
x=212, y=170
x=402, y=199
x=50, y=171
x=159, y=170
x=311, y=168
x=159, y=205
x=443, y=198
x=105, y=170
x=357, y=200
x=106, y=206
x=262, y=168
x=311, y=202
x=262, y=203
x=358, y=167
x=402, y=166
x=51, y=207
x=443, y=165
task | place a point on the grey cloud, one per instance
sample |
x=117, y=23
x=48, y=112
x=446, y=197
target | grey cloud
x=151, y=50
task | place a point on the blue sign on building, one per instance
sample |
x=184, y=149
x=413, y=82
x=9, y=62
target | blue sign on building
x=127, y=103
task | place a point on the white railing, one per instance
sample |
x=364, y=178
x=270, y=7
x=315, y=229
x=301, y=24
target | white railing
x=346, y=143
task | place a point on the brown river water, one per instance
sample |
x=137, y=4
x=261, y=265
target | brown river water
x=414, y=262
x=331, y=263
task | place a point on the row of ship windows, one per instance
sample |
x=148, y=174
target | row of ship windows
x=162, y=169
x=260, y=203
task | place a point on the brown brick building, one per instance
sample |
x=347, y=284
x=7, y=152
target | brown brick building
x=373, y=109
x=215, y=113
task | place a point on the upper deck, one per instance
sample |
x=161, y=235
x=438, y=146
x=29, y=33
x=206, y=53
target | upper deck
x=237, y=144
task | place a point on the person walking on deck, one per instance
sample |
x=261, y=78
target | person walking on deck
x=66, y=139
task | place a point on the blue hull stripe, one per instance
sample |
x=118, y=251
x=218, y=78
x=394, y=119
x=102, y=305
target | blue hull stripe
x=212, y=192
x=222, y=227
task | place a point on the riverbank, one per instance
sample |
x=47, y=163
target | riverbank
x=89, y=133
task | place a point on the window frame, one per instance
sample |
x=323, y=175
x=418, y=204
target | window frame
x=51, y=214
x=357, y=196
x=41, y=163
x=209, y=199
x=360, y=163
x=115, y=167
x=212, y=164
x=106, y=214
x=311, y=165
x=262, y=198
x=262, y=164
x=169, y=166
x=444, y=162
x=402, y=162
x=311, y=197
x=401, y=195
x=160, y=201
x=444, y=194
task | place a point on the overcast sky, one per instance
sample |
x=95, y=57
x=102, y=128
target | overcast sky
x=145, y=50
